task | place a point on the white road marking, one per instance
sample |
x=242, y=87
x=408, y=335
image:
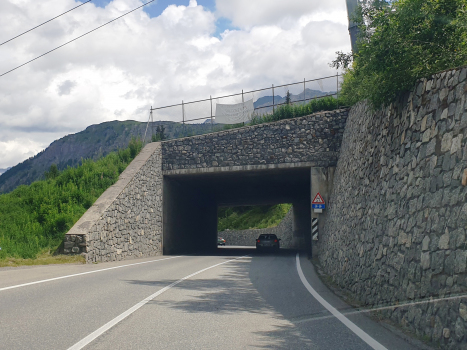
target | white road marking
x=83, y=273
x=349, y=324
x=85, y=341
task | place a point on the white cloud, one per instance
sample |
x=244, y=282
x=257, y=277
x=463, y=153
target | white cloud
x=12, y=149
x=119, y=71
x=248, y=13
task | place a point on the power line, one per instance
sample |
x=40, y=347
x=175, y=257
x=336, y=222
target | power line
x=44, y=23
x=11, y=70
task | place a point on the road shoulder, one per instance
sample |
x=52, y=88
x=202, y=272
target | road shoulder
x=388, y=334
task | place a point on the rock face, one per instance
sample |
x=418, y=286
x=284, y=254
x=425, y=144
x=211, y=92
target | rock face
x=397, y=217
x=284, y=231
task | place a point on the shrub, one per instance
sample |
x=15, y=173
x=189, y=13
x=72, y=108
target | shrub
x=401, y=41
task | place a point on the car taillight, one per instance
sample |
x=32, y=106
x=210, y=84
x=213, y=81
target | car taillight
x=275, y=241
x=258, y=241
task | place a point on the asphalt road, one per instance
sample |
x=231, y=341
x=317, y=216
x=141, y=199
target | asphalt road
x=233, y=300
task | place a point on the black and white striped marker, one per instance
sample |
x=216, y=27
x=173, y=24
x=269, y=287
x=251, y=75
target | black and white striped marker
x=314, y=229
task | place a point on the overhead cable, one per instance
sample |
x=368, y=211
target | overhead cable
x=27, y=31
x=11, y=70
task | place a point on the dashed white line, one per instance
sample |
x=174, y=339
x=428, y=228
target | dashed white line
x=349, y=324
x=83, y=273
x=85, y=341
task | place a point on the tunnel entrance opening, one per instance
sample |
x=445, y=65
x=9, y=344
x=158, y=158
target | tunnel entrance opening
x=191, y=201
x=241, y=225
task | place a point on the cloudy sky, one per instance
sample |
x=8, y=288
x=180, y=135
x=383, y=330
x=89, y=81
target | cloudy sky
x=166, y=52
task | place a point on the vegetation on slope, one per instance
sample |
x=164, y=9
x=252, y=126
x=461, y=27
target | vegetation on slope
x=290, y=110
x=94, y=142
x=251, y=217
x=401, y=41
x=34, y=218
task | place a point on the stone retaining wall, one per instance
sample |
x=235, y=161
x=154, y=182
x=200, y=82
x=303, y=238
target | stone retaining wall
x=314, y=138
x=126, y=221
x=284, y=231
x=397, y=217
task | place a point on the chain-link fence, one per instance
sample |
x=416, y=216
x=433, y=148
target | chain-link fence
x=265, y=101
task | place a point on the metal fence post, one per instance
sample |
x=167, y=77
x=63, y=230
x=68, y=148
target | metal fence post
x=152, y=125
x=183, y=119
x=337, y=90
x=304, y=92
x=212, y=125
x=272, y=98
x=243, y=109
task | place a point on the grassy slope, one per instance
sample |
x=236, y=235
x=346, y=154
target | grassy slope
x=242, y=218
x=34, y=218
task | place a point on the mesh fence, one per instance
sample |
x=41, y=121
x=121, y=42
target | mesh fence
x=265, y=101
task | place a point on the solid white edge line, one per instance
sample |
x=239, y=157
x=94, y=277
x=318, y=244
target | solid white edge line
x=349, y=324
x=85, y=341
x=83, y=273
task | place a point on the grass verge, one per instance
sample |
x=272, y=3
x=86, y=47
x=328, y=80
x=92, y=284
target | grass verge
x=44, y=258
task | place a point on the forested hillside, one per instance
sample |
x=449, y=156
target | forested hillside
x=34, y=218
x=94, y=142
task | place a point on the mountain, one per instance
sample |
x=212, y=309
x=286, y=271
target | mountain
x=267, y=100
x=93, y=142
x=3, y=170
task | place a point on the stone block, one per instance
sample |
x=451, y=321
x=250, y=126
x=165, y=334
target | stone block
x=463, y=311
x=426, y=243
x=437, y=262
x=68, y=245
x=444, y=241
x=425, y=260
x=446, y=142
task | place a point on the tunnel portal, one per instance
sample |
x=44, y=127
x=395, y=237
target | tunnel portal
x=166, y=201
x=191, y=201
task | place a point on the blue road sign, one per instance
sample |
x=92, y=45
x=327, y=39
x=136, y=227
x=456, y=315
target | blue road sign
x=318, y=206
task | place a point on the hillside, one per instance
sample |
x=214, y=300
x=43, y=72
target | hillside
x=251, y=217
x=93, y=143
x=267, y=100
x=34, y=218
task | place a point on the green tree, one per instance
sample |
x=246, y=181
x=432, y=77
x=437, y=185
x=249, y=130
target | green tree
x=52, y=173
x=287, y=98
x=401, y=41
x=160, y=134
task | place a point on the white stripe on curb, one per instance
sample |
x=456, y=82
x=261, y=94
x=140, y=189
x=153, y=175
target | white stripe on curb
x=85, y=341
x=83, y=273
x=349, y=324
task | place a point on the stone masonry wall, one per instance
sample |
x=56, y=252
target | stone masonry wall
x=284, y=231
x=126, y=221
x=315, y=138
x=397, y=217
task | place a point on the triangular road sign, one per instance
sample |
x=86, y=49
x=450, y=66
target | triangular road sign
x=318, y=199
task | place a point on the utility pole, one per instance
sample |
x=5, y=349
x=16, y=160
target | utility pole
x=353, y=28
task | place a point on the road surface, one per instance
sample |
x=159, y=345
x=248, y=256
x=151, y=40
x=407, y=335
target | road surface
x=236, y=299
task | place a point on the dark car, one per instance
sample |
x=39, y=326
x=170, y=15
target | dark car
x=220, y=241
x=267, y=241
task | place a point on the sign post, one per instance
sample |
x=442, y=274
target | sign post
x=318, y=204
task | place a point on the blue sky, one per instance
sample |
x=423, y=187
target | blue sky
x=155, y=8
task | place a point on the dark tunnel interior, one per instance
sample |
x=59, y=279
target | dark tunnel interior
x=190, y=203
